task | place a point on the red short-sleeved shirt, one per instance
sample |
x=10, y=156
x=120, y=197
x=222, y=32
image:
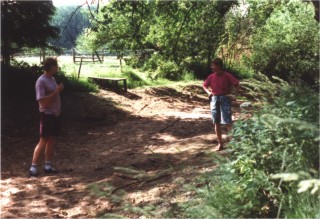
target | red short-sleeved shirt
x=221, y=83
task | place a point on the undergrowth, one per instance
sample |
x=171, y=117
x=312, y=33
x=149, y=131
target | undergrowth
x=273, y=166
x=20, y=78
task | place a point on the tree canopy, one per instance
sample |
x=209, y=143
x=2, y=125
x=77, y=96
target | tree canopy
x=251, y=34
x=26, y=24
x=71, y=22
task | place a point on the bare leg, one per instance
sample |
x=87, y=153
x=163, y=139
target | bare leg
x=229, y=129
x=219, y=136
x=39, y=148
x=49, y=149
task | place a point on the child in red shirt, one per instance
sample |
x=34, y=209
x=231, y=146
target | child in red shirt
x=218, y=86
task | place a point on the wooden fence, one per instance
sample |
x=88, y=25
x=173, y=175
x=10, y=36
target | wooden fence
x=80, y=57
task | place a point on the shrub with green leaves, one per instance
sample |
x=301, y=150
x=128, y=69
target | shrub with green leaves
x=287, y=46
x=134, y=79
x=272, y=165
x=20, y=78
x=169, y=70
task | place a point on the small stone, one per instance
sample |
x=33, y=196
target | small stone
x=245, y=104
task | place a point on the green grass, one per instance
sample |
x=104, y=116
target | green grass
x=111, y=68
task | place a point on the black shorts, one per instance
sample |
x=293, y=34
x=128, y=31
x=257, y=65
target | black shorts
x=49, y=125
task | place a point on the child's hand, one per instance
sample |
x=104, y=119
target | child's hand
x=60, y=87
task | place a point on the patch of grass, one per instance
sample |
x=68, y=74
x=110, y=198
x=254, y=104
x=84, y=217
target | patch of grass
x=82, y=85
x=135, y=79
x=188, y=77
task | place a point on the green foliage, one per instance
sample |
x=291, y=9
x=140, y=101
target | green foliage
x=199, y=67
x=152, y=63
x=174, y=30
x=147, y=211
x=287, y=45
x=273, y=158
x=169, y=70
x=85, y=41
x=134, y=79
x=26, y=24
x=79, y=21
x=20, y=78
x=188, y=76
x=240, y=71
x=260, y=88
x=80, y=85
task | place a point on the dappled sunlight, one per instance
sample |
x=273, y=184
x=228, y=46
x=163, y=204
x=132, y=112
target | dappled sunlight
x=153, y=195
x=154, y=149
x=177, y=146
x=7, y=191
x=160, y=139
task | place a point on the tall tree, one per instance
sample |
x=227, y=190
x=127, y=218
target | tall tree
x=70, y=27
x=175, y=30
x=287, y=45
x=25, y=24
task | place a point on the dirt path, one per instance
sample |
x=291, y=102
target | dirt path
x=165, y=134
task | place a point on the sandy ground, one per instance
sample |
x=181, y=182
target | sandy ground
x=135, y=148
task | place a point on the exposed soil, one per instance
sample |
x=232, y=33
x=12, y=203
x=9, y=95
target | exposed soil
x=164, y=133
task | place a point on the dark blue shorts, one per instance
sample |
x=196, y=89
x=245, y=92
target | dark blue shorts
x=49, y=125
x=221, y=109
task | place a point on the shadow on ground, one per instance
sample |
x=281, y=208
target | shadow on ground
x=100, y=132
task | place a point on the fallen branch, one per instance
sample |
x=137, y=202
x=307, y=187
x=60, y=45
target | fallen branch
x=143, y=108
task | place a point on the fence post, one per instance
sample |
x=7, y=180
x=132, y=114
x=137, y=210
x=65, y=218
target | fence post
x=79, y=68
x=74, y=55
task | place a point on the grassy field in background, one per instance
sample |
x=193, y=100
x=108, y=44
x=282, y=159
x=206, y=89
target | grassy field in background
x=109, y=68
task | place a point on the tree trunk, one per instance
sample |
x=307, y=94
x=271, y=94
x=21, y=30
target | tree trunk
x=42, y=54
x=6, y=54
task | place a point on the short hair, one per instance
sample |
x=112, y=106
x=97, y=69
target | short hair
x=218, y=61
x=49, y=62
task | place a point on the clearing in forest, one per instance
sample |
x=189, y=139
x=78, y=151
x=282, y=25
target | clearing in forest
x=146, y=143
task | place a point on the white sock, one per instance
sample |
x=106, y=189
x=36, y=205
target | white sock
x=33, y=168
x=47, y=165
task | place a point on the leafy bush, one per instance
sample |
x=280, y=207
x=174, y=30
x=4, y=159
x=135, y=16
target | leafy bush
x=152, y=63
x=240, y=71
x=287, y=45
x=270, y=153
x=134, y=80
x=20, y=78
x=188, y=76
x=134, y=61
x=169, y=70
x=199, y=68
